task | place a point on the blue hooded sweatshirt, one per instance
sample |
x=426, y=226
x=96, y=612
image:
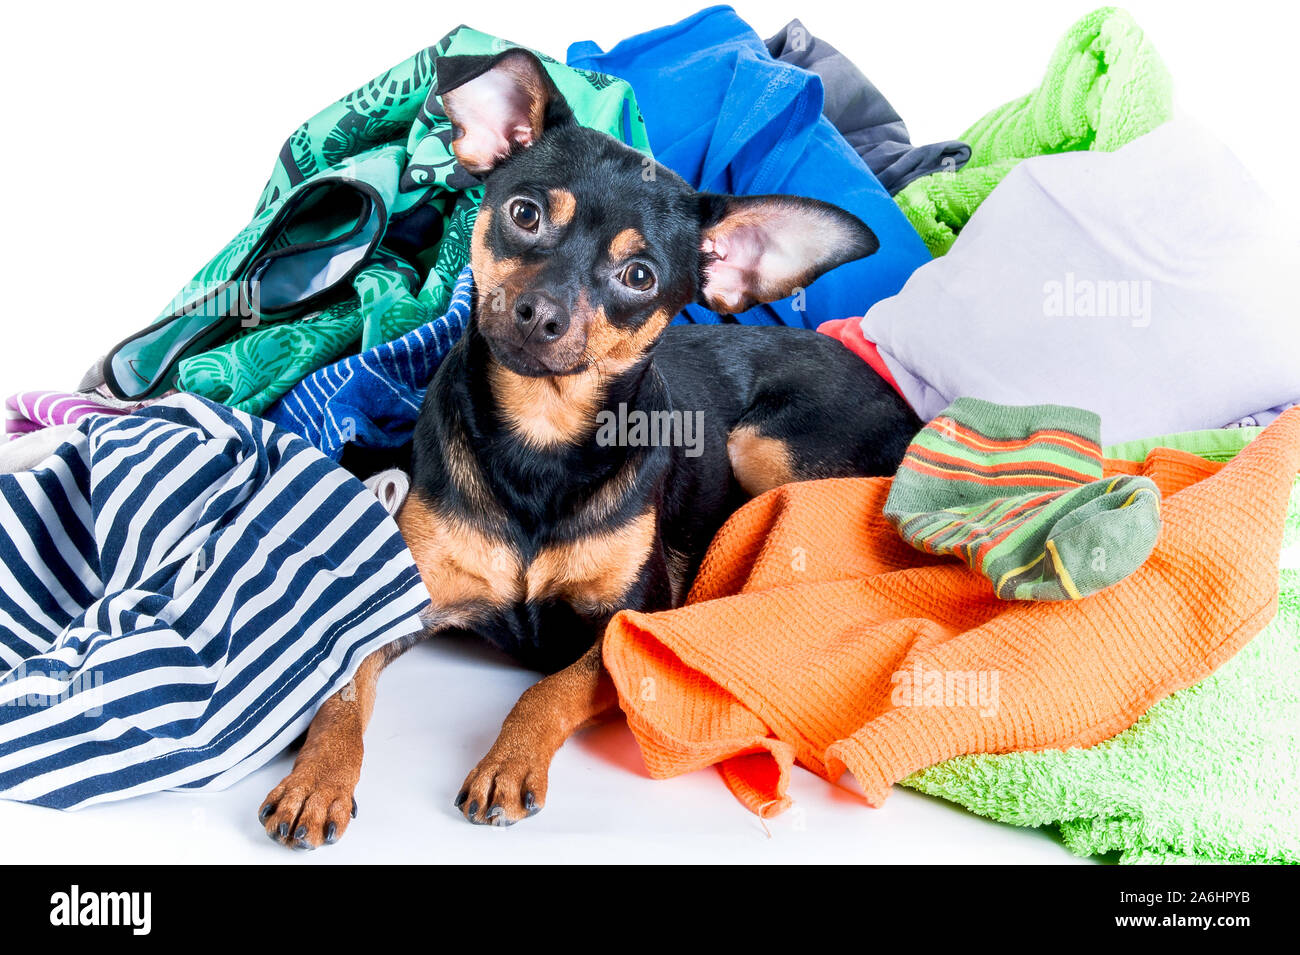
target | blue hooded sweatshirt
x=727, y=117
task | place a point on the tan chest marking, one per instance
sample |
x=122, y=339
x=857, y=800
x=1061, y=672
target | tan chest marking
x=468, y=572
x=593, y=573
x=464, y=569
x=545, y=412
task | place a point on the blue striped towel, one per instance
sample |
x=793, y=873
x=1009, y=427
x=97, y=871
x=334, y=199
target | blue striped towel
x=374, y=398
x=180, y=589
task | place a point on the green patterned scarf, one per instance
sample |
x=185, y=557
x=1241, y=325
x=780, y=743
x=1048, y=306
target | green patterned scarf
x=391, y=139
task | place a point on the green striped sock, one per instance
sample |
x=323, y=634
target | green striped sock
x=1018, y=494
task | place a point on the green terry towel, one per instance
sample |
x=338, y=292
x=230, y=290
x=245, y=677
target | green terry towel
x=1210, y=774
x=1104, y=87
x=358, y=237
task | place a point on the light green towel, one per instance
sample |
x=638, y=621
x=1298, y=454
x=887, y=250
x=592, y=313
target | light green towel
x=1104, y=87
x=1209, y=774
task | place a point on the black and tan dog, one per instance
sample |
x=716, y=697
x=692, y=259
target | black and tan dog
x=531, y=521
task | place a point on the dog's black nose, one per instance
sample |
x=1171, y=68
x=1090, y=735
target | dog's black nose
x=541, y=316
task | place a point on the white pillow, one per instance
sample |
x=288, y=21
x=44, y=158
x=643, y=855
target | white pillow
x=1155, y=285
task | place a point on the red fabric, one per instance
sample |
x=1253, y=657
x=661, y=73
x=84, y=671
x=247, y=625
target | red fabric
x=848, y=331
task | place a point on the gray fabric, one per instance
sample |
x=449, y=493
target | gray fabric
x=93, y=378
x=863, y=116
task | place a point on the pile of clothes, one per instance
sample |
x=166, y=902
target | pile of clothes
x=1080, y=247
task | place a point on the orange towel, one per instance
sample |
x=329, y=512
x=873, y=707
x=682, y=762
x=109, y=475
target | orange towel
x=811, y=623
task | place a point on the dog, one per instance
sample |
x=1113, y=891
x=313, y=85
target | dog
x=533, y=517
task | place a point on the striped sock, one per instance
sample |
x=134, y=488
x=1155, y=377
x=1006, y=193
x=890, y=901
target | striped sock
x=1018, y=494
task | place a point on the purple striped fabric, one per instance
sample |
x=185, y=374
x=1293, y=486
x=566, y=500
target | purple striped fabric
x=30, y=411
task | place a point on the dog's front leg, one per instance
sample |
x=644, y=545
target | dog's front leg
x=314, y=803
x=509, y=783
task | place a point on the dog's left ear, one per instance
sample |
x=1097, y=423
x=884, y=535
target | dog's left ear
x=497, y=104
x=762, y=248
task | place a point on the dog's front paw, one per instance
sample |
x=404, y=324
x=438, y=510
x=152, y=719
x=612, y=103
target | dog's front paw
x=504, y=788
x=308, y=810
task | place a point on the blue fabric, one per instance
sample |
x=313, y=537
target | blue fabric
x=727, y=117
x=374, y=398
x=180, y=589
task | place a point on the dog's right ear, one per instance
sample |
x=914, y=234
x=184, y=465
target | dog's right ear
x=497, y=104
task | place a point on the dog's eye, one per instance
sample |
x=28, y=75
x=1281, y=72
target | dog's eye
x=639, y=277
x=525, y=214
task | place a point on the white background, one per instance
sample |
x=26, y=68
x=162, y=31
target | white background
x=137, y=138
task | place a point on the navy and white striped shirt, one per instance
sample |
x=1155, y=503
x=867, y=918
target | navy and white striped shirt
x=180, y=589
